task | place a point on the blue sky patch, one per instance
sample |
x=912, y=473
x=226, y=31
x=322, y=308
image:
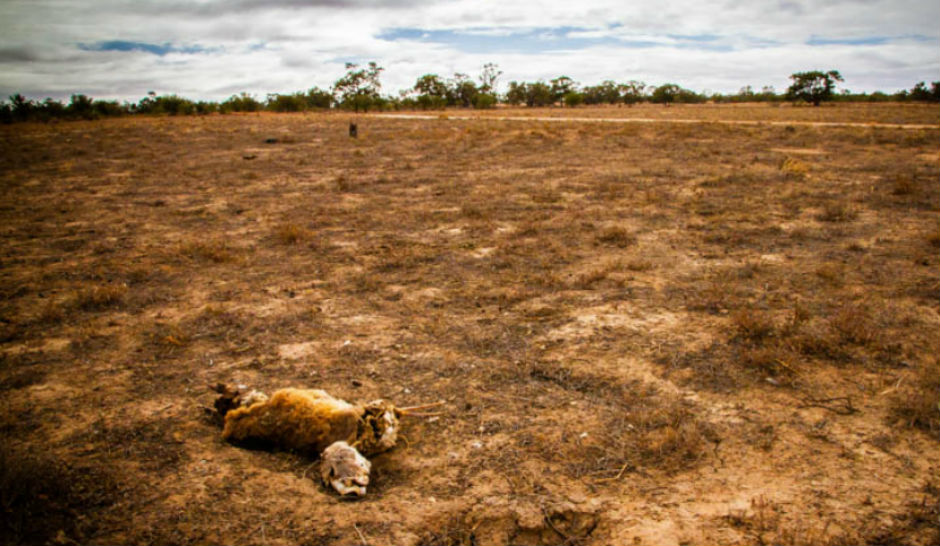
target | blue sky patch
x=871, y=40
x=868, y=40
x=496, y=40
x=695, y=37
x=156, y=49
x=544, y=39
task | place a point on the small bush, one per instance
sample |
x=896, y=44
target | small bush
x=484, y=101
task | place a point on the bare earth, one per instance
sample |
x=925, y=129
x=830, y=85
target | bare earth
x=644, y=332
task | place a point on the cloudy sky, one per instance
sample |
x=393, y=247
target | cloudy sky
x=211, y=49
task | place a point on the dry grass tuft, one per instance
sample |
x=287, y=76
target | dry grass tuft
x=753, y=325
x=766, y=522
x=794, y=168
x=290, y=234
x=838, y=212
x=101, y=297
x=917, y=403
x=166, y=340
x=855, y=324
x=832, y=273
x=904, y=185
x=208, y=251
x=590, y=279
x=343, y=183
x=661, y=432
x=616, y=236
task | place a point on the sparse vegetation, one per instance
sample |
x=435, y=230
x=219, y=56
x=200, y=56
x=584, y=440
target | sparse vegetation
x=360, y=88
x=673, y=312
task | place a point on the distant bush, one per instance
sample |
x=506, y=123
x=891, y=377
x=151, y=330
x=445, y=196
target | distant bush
x=573, y=98
x=81, y=107
x=109, y=108
x=296, y=102
x=359, y=90
x=315, y=98
x=430, y=102
x=666, y=93
x=485, y=101
x=205, y=107
x=240, y=103
x=319, y=98
x=172, y=105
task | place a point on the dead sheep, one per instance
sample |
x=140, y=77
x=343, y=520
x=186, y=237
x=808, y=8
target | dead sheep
x=311, y=421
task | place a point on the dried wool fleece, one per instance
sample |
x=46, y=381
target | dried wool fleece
x=310, y=420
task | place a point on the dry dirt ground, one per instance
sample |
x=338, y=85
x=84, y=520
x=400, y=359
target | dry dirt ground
x=644, y=333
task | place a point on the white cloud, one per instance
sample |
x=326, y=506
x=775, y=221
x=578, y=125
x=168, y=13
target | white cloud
x=289, y=45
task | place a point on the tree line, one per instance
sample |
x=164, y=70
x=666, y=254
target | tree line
x=359, y=89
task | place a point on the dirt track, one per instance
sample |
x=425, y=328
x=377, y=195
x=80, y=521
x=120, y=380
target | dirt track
x=577, y=119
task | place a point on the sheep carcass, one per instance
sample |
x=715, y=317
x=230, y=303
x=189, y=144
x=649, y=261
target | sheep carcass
x=311, y=421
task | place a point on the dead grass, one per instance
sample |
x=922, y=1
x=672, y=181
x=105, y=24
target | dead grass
x=616, y=237
x=794, y=168
x=753, y=325
x=647, y=317
x=769, y=522
x=290, y=233
x=166, y=339
x=207, y=251
x=762, y=345
x=855, y=324
x=903, y=185
x=838, y=212
x=98, y=298
x=916, y=403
